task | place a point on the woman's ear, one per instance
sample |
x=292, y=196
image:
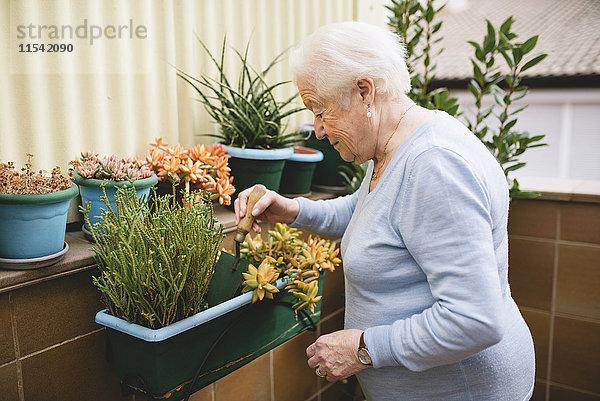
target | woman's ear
x=366, y=89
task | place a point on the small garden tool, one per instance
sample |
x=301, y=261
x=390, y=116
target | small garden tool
x=245, y=224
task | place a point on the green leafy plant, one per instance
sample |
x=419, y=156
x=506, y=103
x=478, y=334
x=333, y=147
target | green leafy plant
x=155, y=265
x=285, y=254
x=415, y=22
x=248, y=114
x=505, y=143
x=353, y=176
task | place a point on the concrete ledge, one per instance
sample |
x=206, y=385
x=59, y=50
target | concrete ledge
x=562, y=189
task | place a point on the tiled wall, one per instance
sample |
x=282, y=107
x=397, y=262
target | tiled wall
x=51, y=350
x=555, y=279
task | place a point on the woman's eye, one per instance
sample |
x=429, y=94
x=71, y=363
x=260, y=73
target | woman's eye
x=319, y=115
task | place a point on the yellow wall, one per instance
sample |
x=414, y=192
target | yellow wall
x=116, y=95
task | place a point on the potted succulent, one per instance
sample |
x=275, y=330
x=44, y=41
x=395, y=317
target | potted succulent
x=250, y=119
x=199, y=169
x=33, y=216
x=98, y=175
x=174, y=319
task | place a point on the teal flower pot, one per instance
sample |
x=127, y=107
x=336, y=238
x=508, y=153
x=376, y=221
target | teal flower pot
x=256, y=166
x=298, y=171
x=326, y=177
x=92, y=191
x=33, y=226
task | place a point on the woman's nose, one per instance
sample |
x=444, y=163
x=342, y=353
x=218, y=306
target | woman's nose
x=319, y=131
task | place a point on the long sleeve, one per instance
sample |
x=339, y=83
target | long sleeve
x=326, y=217
x=443, y=217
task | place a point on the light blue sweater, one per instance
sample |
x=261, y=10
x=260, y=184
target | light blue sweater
x=426, y=270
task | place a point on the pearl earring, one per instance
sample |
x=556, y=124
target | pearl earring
x=369, y=111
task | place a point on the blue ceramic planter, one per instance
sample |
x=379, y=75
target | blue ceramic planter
x=92, y=191
x=257, y=166
x=33, y=226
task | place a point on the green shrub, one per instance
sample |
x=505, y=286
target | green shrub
x=155, y=263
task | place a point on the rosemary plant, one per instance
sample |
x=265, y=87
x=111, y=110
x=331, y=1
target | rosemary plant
x=155, y=264
x=248, y=114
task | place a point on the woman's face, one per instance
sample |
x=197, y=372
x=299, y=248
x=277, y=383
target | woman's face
x=346, y=130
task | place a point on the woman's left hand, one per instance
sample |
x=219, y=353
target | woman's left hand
x=336, y=354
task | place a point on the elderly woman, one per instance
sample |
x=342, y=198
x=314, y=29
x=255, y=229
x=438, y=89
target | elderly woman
x=429, y=314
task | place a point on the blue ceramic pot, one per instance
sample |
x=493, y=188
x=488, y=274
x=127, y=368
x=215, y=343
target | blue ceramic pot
x=92, y=191
x=33, y=226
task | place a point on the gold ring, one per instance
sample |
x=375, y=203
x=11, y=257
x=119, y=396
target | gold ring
x=318, y=372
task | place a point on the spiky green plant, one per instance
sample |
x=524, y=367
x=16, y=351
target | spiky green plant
x=155, y=264
x=249, y=115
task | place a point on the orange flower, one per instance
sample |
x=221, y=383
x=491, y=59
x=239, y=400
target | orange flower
x=177, y=151
x=225, y=189
x=159, y=143
x=154, y=158
x=170, y=166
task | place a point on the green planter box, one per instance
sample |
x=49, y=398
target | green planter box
x=162, y=363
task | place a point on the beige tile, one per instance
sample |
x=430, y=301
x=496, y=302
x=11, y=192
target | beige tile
x=76, y=370
x=578, y=281
x=60, y=309
x=333, y=323
x=539, y=391
x=293, y=379
x=531, y=267
x=563, y=394
x=8, y=382
x=576, y=354
x=333, y=292
x=533, y=218
x=206, y=394
x=251, y=382
x=7, y=346
x=539, y=325
x=580, y=222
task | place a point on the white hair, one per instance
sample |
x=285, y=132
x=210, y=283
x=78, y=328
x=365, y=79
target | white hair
x=336, y=56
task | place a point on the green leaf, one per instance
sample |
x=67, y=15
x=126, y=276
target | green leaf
x=506, y=25
x=529, y=44
x=507, y=58
x=517, y=53
x=533, y=62
x=478, y=75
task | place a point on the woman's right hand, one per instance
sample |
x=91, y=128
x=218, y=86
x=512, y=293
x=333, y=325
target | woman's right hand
x=272, y=208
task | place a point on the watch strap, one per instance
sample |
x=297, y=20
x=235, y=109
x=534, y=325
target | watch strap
x=362, y=341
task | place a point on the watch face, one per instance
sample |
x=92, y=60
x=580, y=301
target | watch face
x=364, y=357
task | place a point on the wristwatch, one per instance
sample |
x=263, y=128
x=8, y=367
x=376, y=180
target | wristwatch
x=363, y=353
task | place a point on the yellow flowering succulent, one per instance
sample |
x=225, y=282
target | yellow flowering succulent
x=284, y=253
